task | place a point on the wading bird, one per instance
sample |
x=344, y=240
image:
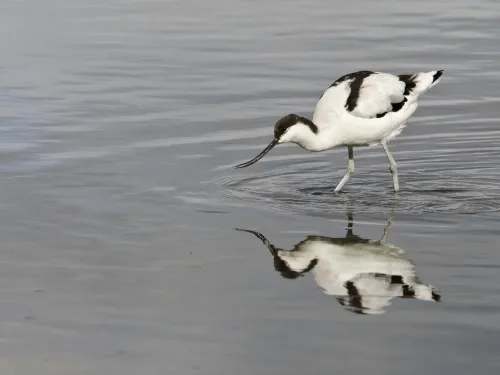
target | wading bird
x=359, y=109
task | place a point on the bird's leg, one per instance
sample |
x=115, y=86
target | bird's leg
x=393, y=167
x=350, y=170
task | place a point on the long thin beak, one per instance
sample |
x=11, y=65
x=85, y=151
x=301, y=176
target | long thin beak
x=260, y=156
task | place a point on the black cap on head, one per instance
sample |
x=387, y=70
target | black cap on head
x=284, y=123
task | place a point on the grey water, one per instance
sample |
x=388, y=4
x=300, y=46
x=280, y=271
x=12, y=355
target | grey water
x=120, y=124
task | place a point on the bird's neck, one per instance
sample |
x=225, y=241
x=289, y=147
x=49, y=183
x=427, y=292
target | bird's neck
x=311, y=125
x=313, y=138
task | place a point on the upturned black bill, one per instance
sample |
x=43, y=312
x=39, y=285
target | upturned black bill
x=260, y=156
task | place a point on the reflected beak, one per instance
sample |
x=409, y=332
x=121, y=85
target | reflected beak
x=260, y=156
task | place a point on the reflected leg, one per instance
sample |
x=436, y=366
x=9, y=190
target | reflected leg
x=389, y=219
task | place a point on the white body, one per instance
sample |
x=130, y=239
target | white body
x=339, y=127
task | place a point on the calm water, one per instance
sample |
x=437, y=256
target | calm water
x=120, y=121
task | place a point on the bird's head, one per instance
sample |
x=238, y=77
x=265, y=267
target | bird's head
x=293, y=128
x=290, y=128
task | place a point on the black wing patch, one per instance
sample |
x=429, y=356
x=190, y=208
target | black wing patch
x=361, y=75
x=436, y=76
x=410, y=84
x=357, y=81
x=409, y=81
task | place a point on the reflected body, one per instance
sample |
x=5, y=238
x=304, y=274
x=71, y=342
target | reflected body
x=364, y=275
x=359, y=109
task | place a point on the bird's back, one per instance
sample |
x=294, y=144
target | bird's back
x=366, y=107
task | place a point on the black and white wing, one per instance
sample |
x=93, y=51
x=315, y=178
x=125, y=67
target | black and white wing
x=367, y=94
x=375, y=95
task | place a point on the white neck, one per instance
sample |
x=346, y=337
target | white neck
x=303, y=136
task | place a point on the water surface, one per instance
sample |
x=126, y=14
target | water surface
x=120, y=124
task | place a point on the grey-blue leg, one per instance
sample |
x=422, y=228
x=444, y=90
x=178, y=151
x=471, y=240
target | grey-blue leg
x=350, y=170
x=393, y=167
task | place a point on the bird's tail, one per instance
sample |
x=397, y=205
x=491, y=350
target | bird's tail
x=419, y=83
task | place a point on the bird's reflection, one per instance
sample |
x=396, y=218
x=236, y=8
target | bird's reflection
x=364, y=275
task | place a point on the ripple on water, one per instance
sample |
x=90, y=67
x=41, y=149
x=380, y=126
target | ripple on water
x=447, y=165
x=427, y=187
